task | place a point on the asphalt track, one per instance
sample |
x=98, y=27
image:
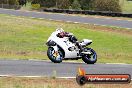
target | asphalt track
x=69, y=18
x=64, y=69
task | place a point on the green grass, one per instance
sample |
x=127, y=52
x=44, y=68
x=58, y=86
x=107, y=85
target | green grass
x=126, y=6
x=25, y=38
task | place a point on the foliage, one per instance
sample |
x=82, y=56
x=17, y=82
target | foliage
x=35, y=1
x=45, y=3
x=86, y=4
x=62, y=4
x=48, y=3
x=106, y=5
x=126, y=6
x=97, y=5
x=22, y=2
x=76, y=5
x=10, y=2
x=3, y=2
x=35, y=6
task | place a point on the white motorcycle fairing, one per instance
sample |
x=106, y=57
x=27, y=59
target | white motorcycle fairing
x=64, y=43
x=86, y=42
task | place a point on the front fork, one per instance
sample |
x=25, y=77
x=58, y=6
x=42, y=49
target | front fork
x=55, y=53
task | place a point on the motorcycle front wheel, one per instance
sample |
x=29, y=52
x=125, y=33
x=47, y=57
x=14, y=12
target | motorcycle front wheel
x=90, y=59
x=54, y=58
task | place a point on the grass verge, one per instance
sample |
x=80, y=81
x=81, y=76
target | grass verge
x=25, y=38
x=126, y=6
x=14, y=82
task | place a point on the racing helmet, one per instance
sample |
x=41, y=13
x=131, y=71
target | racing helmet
x=59, y=30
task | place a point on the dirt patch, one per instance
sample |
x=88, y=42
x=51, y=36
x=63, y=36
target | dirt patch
x=54, y=83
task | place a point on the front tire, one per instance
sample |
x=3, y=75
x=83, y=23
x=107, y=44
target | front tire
x=54, y=59
x=90, y=59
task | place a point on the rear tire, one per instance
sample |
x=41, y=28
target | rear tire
x=90, y=59
x=52, y=57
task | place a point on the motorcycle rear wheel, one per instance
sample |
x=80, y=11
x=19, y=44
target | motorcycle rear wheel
x=90, y=59
x=52, y=57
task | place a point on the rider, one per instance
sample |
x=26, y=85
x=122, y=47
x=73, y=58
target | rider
x=72, y=38
x=61, y=33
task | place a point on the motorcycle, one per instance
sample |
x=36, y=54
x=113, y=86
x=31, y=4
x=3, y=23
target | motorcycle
x=65, y=46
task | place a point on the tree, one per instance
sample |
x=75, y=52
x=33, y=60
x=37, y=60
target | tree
x=63, y=4
x=106, y=5
x=2, y=1
x=71, y=1
x=35, y=1
x=10, y=2
x=48, y=3
x=76, y=5
x=22, y=2
x=86, y=4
